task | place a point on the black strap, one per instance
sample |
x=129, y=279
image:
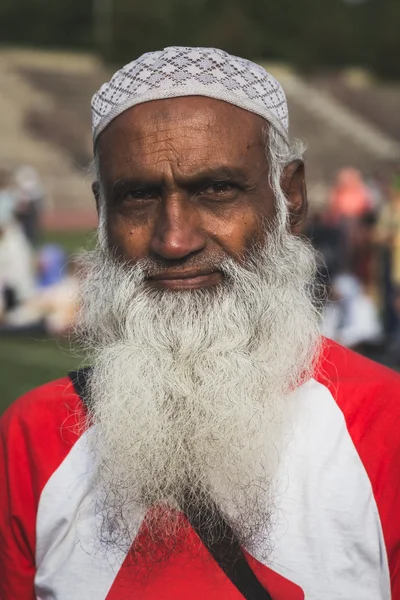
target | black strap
x=223, y=545
x=221, y=542
x=79, y=379
x=239, y=572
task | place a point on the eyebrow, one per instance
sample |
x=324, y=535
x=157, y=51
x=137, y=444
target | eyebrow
x=219, y=173
x=190, y=182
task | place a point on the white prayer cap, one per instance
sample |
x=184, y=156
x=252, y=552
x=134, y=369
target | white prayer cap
x=182, y=71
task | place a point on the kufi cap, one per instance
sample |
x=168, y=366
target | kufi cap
x=182, y=71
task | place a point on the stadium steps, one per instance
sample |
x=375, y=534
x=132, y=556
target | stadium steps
x=66, y=183
x=45, y=121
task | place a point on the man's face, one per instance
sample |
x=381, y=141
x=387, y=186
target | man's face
x=185, y=184
x=189, y=388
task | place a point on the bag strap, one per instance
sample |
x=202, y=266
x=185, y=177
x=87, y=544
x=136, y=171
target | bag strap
x=79, y=380
x=224, y=546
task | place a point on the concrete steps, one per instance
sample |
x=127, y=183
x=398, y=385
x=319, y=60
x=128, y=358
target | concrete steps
x=68, y=188
x=45, y=122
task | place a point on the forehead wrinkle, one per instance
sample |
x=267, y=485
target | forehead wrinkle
x=174, y=140
x=176, y=168
x=173, y=162
x=187, y=125
x=180, y=140
x=143, y=132
x=176, y=152
x=203, y=114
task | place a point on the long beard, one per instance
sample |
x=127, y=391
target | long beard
x=188, y=390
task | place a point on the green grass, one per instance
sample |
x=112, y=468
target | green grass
x=72, y=241
x=26, y=362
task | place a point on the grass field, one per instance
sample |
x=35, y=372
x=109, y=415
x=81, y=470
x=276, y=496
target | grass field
x=28, y=362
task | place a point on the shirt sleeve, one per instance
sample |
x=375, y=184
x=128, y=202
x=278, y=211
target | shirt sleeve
x=17, y=520
x=369, y=396
x=36, y=433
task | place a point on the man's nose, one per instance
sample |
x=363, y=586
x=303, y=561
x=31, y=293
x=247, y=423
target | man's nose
x=177, y=232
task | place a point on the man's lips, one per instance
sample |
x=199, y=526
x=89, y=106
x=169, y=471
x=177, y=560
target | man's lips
x=186, y=280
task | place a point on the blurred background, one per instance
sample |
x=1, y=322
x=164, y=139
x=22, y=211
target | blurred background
x=339, y=62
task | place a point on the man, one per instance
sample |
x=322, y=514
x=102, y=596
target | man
x=217, y=447
x=17, y=276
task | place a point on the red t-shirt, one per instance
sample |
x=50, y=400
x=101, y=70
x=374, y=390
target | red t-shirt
x=336, y=530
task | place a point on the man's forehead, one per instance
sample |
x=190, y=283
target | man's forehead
x=198, y=123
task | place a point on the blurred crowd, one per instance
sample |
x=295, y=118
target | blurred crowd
x=357, y=234
x=37, y=281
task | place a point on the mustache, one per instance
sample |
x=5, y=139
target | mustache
x=201, y=264
x=151, y=267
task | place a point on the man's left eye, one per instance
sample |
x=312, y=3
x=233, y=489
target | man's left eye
x=219, y=187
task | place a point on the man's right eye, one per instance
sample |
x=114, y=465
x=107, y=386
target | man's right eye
x=139, y=195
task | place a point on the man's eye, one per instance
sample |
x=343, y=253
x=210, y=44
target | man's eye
x=140, y=195
x=219, y=188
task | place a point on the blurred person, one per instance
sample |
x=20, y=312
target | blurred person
x=6, y=196
x=387, y=236
x=58, y=302
x=349, y=201
x=326, y=239
x=377, y=192
x=17, y=279
x=393, y=349
x=51, y=261
x=365, y=263
x=30, y=197
x=349, y=198
x=350, y=317
x=52, y=309
x=218, y=447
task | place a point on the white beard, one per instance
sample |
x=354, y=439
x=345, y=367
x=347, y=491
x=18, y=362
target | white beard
x=188, y=390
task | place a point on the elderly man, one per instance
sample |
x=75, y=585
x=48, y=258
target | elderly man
x=217, y=448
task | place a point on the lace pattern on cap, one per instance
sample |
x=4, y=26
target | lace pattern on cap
x=182, y=71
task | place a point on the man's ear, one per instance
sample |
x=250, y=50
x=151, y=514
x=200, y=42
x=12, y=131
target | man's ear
x=96, y=194
x=294, y=185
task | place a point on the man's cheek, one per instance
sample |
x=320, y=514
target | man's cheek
x=242, y=238
x=130, y=242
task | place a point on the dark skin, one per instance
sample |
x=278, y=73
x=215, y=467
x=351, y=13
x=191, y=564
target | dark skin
x=185, y=182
